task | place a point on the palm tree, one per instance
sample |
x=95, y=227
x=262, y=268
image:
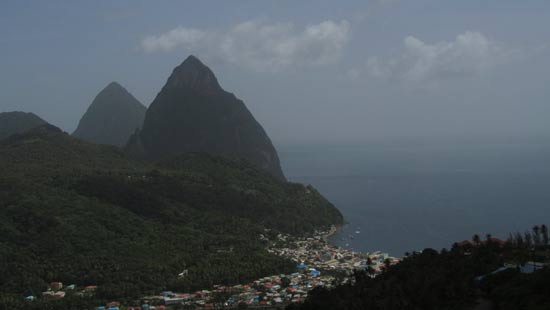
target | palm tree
x=536, y=235
x=476, y=239
x=528, y=239
x=544, y=232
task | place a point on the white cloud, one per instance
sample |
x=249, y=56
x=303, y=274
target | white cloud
x=469, y=54
x=179, y=36
x=260, y=45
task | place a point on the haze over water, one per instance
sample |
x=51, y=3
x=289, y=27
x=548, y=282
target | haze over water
x=410, y=194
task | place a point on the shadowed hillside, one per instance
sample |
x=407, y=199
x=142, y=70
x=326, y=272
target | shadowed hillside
x=83, y=213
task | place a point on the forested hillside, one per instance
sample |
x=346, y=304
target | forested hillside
x=82, y=213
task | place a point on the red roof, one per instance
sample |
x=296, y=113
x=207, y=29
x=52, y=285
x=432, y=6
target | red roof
x=464, y=243
x=497, y=241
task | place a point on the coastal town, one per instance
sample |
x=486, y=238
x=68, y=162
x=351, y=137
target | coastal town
x=318, y=264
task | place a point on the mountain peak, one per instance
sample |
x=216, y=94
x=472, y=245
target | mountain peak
x=112, y=117
x=192, y=113
x=114, y=85
x=113, y=88
x=195, y=75
x=18, y=122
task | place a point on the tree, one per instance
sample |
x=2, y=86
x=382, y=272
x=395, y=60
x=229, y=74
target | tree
x=285, y=282
x=544, y=232
x=528, y=239
x=536, y=235
x=387, y=264
x=476, y=239
x=518, y=238
x=369, y=261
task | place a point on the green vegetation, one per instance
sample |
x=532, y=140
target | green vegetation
x=459, y=278
x=82, y=213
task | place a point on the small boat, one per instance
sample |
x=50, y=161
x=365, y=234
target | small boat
x=358, y=231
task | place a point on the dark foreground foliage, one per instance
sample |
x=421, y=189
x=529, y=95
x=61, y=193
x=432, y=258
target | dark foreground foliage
x=446, y=280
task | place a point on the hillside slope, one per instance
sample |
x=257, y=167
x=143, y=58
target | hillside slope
x=83, y=213
x=17, y=122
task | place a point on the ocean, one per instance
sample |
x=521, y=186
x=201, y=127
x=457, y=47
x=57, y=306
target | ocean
x=404, y=195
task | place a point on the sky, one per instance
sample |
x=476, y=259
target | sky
x=308, y=70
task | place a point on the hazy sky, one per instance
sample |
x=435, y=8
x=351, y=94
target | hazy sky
x=308, y=70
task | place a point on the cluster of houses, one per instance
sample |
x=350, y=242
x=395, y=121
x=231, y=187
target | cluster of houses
x=269, y=291
x=318, y=264
x=56, y=290
x=315, y=252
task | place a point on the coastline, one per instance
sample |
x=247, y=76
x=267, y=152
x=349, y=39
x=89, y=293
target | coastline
x=333, y=231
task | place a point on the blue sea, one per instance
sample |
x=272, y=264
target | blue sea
x=409, y=194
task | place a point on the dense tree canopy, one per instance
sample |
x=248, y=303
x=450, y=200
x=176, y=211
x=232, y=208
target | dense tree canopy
x=82, y=213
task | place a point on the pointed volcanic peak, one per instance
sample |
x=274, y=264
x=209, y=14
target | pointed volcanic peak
x=192, y=113
x=18, y=122
x=194, y=75
x=112, y=118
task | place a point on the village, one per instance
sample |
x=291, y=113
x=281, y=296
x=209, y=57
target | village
x=318, y=264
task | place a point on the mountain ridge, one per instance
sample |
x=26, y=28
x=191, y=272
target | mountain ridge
x=18, y=122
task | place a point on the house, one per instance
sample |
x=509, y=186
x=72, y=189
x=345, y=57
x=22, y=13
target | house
x=167, y=293
x=56, y=286
x=315, y=273
x=59, y=294
x=173, y=301
x=113, y=304
x=531, y=267
x=47, y=294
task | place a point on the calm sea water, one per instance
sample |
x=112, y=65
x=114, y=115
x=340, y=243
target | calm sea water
x=407, y=195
